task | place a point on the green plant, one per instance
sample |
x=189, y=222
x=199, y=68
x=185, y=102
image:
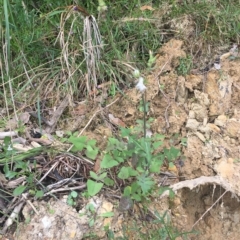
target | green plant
x=19, y=168
x=134, y=156
x=161, y=228
x=82, y=144
x=71, y=198
x=185, y=65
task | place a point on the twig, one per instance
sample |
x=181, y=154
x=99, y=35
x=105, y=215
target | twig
x=209, y=209
x=94, y=115
x=7, y=134
x=65, y=189
x=34, y=209
x=12, y=217
x=53, y=166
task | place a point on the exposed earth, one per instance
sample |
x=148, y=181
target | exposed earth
x=202, y=107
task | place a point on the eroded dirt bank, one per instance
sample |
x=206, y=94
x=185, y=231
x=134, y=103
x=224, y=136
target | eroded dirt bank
x=203, y=107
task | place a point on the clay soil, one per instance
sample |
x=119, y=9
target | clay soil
x=202, y=107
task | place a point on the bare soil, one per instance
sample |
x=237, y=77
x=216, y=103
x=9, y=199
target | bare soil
x=203, y=107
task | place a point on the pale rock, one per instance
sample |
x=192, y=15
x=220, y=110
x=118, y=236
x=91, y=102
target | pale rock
x=210, y=127
x=233, y=128
x=202, y=97
x=192, y=124
x=199, y=110
x=221, y=120
x=191, y=114
x=200, y=136
x=205, y=120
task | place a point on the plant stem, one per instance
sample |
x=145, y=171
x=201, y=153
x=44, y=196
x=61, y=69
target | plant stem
x=144, y=98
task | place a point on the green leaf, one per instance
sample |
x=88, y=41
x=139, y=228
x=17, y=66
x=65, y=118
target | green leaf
x=39, y=194
x=124, y=173
x=70, y=202
x=93, y=187
x=172, y=153
x=10, y=174
x=113, y=141
x=127, y=191
x=91, y=222
x=163, y=189
x=108, y=161
x=157, y=144
x=107, y=214
x=91, y=142
x=132, y=172
x=146, y=183
x=78, y=142
x=96, y=177
x=91, y=153
x=171, y=165
x=135, y=187
x=102, y=176
x=136, y=197
x=19, y=190
x=74, y=194
x=108, y=181
x=155, y=166
x=93, y=175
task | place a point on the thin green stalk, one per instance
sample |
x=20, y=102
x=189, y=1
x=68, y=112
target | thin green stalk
x=144, y=98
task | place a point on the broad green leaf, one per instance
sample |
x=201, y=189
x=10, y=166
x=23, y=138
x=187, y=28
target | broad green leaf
x=96, y=177
x=124, y=173
x=78, y=142
x=102, y=176
x=108, y=161
x=91, y=142
x=108, y=181
x=91, y=153
x=136, y=197
x=93, y=187
x=127, y=191
x=93, y=175
x=19, y=190
x=132, y=172
x=135, y=187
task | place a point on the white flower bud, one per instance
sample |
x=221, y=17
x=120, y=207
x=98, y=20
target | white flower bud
x=140, y=86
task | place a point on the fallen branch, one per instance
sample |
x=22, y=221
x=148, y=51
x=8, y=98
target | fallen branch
x=7, y=134
x=193, y=183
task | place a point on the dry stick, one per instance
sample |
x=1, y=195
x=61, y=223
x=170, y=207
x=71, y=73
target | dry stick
x=34, y=209
x=92, y=119
x=209, y=209
x=65, y=189
x=53, y=166
x=12, y=217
